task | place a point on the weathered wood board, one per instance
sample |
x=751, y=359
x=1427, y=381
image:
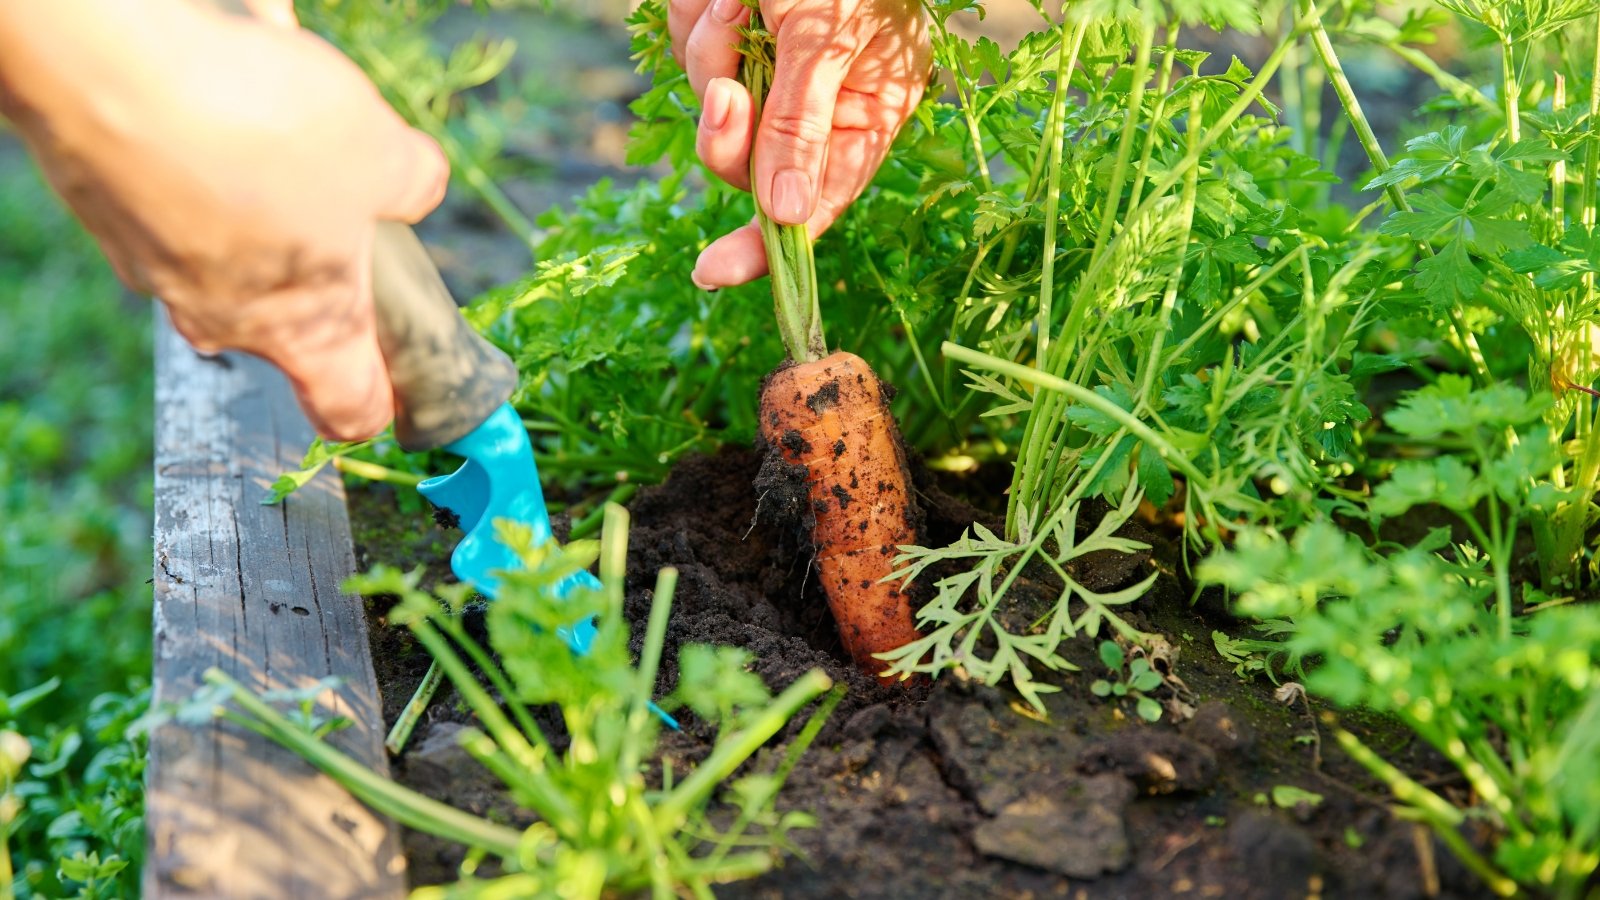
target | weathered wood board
x=253, y=590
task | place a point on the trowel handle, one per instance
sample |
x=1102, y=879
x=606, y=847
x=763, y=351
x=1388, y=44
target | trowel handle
x=447, y=378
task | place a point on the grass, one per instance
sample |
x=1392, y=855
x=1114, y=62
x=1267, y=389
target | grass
x=76, y=406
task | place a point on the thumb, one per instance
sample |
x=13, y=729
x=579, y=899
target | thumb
x=412, y=171
x=796, y=122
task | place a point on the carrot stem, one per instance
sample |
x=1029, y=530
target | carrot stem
x=789, y=256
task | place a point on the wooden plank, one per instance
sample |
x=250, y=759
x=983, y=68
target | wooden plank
x=253, y=590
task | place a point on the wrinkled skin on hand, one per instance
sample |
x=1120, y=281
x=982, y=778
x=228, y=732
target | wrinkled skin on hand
x=234, y=167
x=849, y=74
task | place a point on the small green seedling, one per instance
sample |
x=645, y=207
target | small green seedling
x=1136, y=681
x=1287, y=796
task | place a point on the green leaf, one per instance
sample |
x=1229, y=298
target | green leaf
x=1363, y=364
x=1493, y=236
x=1446, y=481
x=1530, y=460
x=1111, y=655
x=1149, y=710
x=1143, y=678
x=12, y=706
x=1452, y=405
x=1288, y=796
x=1429, y=215
x=1096, y=422
x=90, y=867
x=1154, y=476
x=1433, y=155
x=1449, y=280
x=996, y=210
x=716, y=682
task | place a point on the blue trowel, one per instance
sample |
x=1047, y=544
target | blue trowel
x=451, y=391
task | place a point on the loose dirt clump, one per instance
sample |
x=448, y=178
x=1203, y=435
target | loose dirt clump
x=955, y=789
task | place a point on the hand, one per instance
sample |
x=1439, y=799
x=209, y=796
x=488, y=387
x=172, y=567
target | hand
x=236, y=169
x=849, y=74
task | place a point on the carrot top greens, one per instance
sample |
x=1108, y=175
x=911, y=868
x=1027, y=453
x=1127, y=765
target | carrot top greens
x=789, y=252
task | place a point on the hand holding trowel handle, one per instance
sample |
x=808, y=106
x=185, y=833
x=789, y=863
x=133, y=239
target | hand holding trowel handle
x=242, y=172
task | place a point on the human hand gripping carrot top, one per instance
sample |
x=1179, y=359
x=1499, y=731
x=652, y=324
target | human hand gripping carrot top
x=234, y=167
x=849, y=74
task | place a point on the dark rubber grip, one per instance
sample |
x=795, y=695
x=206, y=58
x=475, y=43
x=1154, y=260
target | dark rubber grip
x=447, y=378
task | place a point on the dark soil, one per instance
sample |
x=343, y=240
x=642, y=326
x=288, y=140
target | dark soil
x=961, y=790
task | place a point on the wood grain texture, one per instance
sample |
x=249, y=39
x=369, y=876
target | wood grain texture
x=253, y=590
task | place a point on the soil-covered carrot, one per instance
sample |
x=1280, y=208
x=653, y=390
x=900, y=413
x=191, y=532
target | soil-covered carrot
x=831, y=416
x=825, y=420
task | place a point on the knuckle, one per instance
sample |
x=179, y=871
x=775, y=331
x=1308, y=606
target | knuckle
x=799, y=132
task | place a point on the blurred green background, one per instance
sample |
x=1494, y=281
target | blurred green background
x=75, y=529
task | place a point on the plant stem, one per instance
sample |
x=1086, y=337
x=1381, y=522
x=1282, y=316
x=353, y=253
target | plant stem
x=650, y=659
x=1380, y=163
x=1086, y=397
x=1558, y=169
x=1066, y=61
x=1510, y=91
x=6, y=875
x=415, y=707
x=1169, y=300
x=386, y=797
x=589, y=524
x=791, y=756
x=552, y=805
x=737, y=747
x=1457, y=88
x=1430, y=807
x=1056, y=140
x=964, y=98
x=1028, y=468
x=1213, y=134
x=789, y=254
x=1591, y=157
x=497, y=677
x=371, y=471
x=1157, y=115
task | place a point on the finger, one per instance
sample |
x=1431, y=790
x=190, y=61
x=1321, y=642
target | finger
x=853, y=159
x=337, y=370
x=681, y=18
x=345, y=393
x=884, y=109
x=734, y=258
x=712, y=48
x=413, y=175
x=854, y=156
x=723, y=139
x=792, y=140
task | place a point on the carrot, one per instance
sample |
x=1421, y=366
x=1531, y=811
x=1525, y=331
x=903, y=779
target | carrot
x=831, y=416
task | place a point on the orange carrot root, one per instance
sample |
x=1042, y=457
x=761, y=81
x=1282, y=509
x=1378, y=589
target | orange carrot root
x=831, y=416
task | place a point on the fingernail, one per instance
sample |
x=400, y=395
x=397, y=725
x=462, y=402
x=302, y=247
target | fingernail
x=695, y=277
x=717, y=103
x=791, y=197
x=727, y=10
